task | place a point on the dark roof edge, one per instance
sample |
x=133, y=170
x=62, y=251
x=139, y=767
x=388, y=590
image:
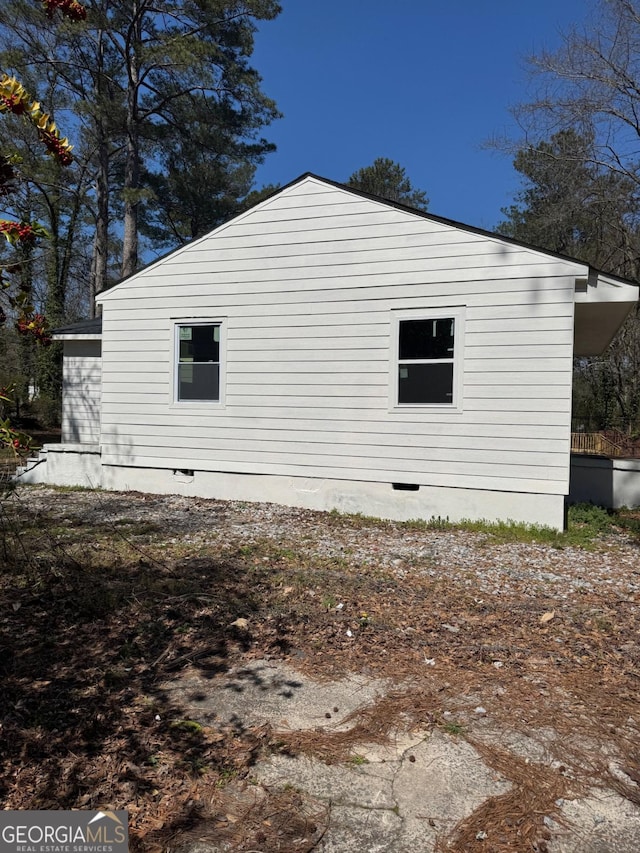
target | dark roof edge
x=82, y=327
x=483, y=232
x=614, y=276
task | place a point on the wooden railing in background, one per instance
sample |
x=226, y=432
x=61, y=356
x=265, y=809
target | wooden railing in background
x=596, y=444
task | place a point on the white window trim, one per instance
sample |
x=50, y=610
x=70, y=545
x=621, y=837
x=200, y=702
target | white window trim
x=177, y=322
x=458, y=313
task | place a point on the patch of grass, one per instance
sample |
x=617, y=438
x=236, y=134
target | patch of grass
x=358, y=760
x=64, y=489
x=225, y=776
x=114, y=677
x=137, y=527
x=628, y=520
x=602, y=624
x=585, y=523
x=248, y=550
x=187, y=726
x=359, y=519
x=284, y=553
x=515, y=531
x=452, y=728
x=594, y=518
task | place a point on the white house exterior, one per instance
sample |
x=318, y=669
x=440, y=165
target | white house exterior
x=329, y=349
x=81, y=380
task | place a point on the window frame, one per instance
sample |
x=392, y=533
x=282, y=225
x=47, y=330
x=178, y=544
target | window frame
x=455, y=312
x=181, y=322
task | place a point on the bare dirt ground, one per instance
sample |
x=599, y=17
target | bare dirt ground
x=108, y=597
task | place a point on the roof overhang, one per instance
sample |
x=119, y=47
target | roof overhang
x=85, y=330
x=602, y=304
x=58, y=336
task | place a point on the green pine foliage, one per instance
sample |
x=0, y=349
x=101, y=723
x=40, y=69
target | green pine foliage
x=389, y=180
x=166, y=116
x=571, y=205
x=165, y=110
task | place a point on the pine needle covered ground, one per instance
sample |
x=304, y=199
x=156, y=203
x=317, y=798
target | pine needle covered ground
x=106, y=596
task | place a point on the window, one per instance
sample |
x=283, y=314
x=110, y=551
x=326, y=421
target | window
x=198, y=362
x=427, y=352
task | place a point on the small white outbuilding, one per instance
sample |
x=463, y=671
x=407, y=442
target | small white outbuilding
x=330, y=349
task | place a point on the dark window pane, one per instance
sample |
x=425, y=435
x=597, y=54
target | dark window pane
x=198, y=382
x=426, y=338
x=425, y=383
x=199, y=343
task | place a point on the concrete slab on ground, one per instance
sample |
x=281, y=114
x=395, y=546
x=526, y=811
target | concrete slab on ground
x=274, y=692
x=402, y=796
x=418, y=794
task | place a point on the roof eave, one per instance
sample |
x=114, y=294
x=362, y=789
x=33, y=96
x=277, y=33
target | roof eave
x=57, y=336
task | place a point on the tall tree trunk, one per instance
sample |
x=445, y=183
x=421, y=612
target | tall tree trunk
x=99, y=263
x=131, y=185
x=132, y=162
x=27, y=381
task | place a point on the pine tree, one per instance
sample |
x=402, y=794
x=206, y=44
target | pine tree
x=573, y=206
x=156, y=89
x=389, y=180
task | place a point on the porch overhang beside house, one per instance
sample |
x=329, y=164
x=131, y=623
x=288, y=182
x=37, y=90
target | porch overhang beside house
x=81, y=383
x=602, y=304
x=85, y=330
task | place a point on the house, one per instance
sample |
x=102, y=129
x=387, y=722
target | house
x=330, y=349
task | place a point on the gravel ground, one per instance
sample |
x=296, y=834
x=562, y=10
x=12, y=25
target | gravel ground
x=478, y=560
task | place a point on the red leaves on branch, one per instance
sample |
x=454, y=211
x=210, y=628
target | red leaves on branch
x=56, y=146
x=35, y=326
x=17, y=232
x=69, y=8
x=14, y=98
x=14, y=104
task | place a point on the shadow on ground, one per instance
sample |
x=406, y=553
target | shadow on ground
x=201, y=680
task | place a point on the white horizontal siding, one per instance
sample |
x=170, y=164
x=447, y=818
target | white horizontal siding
x=335, y=363
x=331, y=264
x=383, y=247
x=376, y=434
x=359, y=400
x=369, y=300
x=306, y=285
x=285, y=327
x=385, y=474
x=157, y=410
x=353, y=446
x=317, y=327
x=322, y=464
x=342, y=309
x=455, y=274
x=514, y=398
x=78, y=432
x=81, y=384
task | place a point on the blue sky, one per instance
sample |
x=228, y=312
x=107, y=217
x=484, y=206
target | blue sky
x=424, y=82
